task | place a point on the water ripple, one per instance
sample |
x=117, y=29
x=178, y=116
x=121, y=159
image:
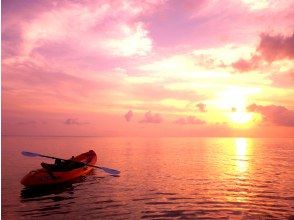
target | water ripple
x=171, y=179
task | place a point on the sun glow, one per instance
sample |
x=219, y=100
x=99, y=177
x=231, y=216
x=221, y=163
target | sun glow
x=240, y=117
x=235, y=100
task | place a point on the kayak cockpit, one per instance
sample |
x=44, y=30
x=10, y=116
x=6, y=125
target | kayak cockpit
x=66, y=166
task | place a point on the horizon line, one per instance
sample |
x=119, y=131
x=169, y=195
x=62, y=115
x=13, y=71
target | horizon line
x=121, y=136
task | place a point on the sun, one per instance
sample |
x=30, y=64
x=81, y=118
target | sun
x=241, y=117
x=234, y=101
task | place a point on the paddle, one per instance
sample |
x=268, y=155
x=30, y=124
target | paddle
x=105, y=169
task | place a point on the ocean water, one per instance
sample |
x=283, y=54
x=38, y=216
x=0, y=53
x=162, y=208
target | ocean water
x=161, y=178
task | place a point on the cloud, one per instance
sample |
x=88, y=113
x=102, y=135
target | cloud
x=136, y=42
x=200, y=20
x=74, y=121
x=270, y=48
x=273, y=114
x=129, y=115
x=35, y=75
x=60, y=53
x=31, y=122
x=189, y=120
x=283, y=79
x=256, y=5
x=157, y=91
x=243, y=65
x=110, y=27
x=276, y=47
x=151, y=118
x=35, y=80
x=201, y=107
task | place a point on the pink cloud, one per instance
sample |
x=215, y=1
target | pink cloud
x=200, y=20
x=108, y=27
x=33, y=75
x=74, y=121
x=35, y=81
x=157, y=91
x=129, y=115
x=189, y=120
x=201, y=107
x=270, y=48
x=247, y=65
x=30, y=122
x=276, y=47
x=75, y=36
x=151, y=118
x=283, y=79
x=273, y=114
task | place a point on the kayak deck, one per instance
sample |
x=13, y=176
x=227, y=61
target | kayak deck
x=43, y=177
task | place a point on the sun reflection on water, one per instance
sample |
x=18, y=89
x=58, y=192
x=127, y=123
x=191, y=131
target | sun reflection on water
x=242, y=148
x=238, y=190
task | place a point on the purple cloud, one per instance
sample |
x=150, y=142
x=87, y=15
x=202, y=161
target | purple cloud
x=270, y=48
x=283, y=79
x=189, y=120
x=273, y=114
x=276, y=47
x=247, y=65
x=156, y=91
x=129, y=115
x=74, y=121
x=33, y=75
x=31, y=122
x=151, y=118
x=201, y=107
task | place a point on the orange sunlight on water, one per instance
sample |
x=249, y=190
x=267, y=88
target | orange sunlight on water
x=242, y=150
x=194, y=177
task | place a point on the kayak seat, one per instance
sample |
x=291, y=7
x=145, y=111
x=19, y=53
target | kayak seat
x=64, y=167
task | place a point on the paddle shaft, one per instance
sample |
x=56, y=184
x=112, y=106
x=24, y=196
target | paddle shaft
x=105, y=169
x=56, y=158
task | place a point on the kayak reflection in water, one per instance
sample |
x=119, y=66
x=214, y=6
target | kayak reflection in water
x=27, y=193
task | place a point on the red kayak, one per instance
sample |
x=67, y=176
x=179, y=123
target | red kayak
x=72, y=169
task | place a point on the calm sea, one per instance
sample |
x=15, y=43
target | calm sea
x=161, y=178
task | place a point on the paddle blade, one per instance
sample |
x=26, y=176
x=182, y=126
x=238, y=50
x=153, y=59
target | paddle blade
x=110, y=171
x=29, y=154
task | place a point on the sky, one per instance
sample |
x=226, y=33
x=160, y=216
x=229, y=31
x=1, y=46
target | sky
x=148, y=68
